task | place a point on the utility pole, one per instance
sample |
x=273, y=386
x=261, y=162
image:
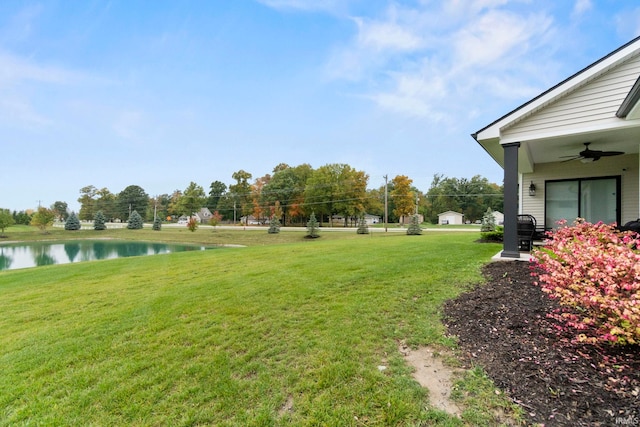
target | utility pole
x=386, y=205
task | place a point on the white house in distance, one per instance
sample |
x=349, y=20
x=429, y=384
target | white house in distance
x=573, y=150
x=450, y=218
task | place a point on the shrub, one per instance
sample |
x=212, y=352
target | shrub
x=274, y=225
x=135, y=221
x=488, y=221
x=414, y=227
x=593, y=271
x=363, y=228
x=312, y=227
x=72, y=223
x=99, y=221
x=493, y=236
x=192, y=224
x=157, y=224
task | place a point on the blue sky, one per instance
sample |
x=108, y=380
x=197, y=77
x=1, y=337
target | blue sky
x=162, y=93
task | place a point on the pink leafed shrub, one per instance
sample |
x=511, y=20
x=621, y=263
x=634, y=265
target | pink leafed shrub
x=593, y=270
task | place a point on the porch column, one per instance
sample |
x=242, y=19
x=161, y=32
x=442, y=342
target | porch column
x=510, y=241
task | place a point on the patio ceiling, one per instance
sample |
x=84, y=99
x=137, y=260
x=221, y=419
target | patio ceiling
x=550, y=150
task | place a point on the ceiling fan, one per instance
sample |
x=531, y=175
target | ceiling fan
x=588, y=155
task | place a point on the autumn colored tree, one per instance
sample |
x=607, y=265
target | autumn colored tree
x=286, y=187
x=215, y=219
x=402, y=195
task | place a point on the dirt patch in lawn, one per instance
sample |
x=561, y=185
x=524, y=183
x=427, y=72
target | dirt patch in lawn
x=431, y=373
x=503, y=326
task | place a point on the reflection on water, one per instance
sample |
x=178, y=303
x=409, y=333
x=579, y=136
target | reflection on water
x=34, y=254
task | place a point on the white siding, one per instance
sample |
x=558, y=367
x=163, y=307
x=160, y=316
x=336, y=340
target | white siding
x=593, y=103
x=624, y=166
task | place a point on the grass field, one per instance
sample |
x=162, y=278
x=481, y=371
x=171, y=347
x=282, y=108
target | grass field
x=284, y=331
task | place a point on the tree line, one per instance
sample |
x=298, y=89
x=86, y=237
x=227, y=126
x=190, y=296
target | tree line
x=292, y=193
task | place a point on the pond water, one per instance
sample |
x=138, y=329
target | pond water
x=35, y=254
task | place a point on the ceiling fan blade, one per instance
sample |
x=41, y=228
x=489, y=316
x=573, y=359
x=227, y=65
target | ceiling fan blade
x=572, y=158
x=611, y=153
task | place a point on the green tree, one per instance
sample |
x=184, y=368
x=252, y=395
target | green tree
x=174, y=207
x=135, y=221
x=22, y=217
x=193, y=199
x=336, y=188
x=312, y=227
x=106, y=202
x=99, y=221
x=488, y=221
x=286, y=188
x=414, y=226
x=157, y=224
x=87, y=202
x=241, y=192
x=470, y=197
x=43, y=218
x=72, y=223
x=216, y=190
x=132, y=198
x=6, y=221
x=274, y=225
x=61, y=210
x=363, y=228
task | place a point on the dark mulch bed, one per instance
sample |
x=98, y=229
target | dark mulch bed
x=503, y=326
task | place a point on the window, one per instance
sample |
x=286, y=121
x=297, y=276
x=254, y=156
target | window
x=594, y=199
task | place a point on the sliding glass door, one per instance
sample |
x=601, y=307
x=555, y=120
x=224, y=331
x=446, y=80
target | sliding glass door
x=594, y=199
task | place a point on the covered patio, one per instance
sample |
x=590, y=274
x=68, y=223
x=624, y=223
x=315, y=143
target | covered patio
x=573, y=150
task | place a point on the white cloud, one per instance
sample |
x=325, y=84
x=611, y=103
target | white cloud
x=430, y=62
x=386, y=36
x=14, y=69
x=495, y=36
x=580, y=7
x=18, y=111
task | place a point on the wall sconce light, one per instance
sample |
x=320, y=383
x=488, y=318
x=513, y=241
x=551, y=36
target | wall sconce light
x=532, y=189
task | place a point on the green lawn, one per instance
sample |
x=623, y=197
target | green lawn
x=285, y=331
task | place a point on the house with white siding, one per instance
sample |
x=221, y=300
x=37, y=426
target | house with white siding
x=573, y=150
x=450, y=217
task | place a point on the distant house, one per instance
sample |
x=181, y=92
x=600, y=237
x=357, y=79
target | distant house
x=450, y=217
x=203, y=215
x=371, y=219
x=251, y=220
x=498, y=217
x=406, y=219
